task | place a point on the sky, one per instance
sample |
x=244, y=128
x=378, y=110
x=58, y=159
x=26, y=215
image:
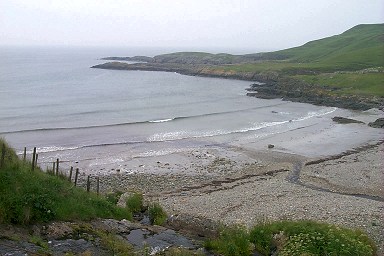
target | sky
x=253, y=25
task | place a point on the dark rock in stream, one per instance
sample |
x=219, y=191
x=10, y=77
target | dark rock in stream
x=344, y=120
x=140, y=238
x=379, y=123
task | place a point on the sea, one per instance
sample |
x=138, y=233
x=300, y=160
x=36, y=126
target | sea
x=51, y=99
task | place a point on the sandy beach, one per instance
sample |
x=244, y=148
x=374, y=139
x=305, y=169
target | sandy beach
x=323, y=180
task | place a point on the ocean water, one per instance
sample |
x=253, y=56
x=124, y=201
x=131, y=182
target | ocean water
x=51, y=99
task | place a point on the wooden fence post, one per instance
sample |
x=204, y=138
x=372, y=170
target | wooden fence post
x=88, y=183
x=37, y=156
x=70, y=174
x=97, y=185
x=33, y=158
x=57, y=167
x=76, y=175
x=25, y=154
x=53, y=168
x=2, y=156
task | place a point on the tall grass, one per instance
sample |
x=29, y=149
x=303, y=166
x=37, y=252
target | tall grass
x=33, y=196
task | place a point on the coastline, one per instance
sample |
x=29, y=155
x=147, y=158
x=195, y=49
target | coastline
x=269, y=84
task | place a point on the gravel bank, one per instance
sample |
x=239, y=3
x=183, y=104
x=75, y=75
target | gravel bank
x=253, y=186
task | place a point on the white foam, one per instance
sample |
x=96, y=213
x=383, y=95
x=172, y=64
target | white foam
x=321, y=112
x=48, y=149
x=162, y=120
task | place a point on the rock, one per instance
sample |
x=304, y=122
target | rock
x=344, y=120
x=379, y=123
x=59, y=230
x=271, y=146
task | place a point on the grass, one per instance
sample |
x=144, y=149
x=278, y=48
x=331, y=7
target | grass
x=232, y=241
x=157, y=215
x=368, y=84
x=135, y=203
x=291, y=238
x=30, y=197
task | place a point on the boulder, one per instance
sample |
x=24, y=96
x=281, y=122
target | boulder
x=379, y=123
x=344, y=120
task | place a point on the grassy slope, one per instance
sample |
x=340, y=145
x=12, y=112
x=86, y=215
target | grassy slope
x=29, y=197
x=359, y=48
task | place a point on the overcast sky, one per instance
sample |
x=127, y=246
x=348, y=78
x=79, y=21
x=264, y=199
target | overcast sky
x=189, y=24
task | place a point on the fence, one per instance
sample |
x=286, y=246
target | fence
x=56, y=170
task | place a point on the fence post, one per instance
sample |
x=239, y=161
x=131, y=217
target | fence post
x=97, y=185
x=88, y=183
x=33, y=158
x=70, y=174
x=25, y=154
x=57, y=167
x=2, y=156
x=37, y=156
x=53, y=168
x=76, y=175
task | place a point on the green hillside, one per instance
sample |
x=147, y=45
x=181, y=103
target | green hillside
x=359, y=47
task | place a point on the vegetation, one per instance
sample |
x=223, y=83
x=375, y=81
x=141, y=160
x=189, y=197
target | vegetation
x=349, y=83
x=135, y=203
x=293, y=238
x=29, y=197
x=232, y=241
x=157, y=215
x=359, y=47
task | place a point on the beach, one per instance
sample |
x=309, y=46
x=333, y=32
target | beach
x=247, y=185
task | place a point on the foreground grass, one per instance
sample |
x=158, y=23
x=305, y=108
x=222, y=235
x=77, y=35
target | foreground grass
x=29, y=197
x=292, y=238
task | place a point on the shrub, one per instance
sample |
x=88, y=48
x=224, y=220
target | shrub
x=113, y=197
x=310, y=238
x=231, y=241
x=157, y=215
x=135, y=203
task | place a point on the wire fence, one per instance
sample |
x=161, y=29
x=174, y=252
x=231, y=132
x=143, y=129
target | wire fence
x=61, y=169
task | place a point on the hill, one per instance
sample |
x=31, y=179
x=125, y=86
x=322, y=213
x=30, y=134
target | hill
x=344, y=70
x=359, y=47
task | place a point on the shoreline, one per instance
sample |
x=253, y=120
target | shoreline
x=329, y=190
x=273, y=84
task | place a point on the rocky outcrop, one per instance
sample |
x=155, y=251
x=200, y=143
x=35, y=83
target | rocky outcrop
x=379, y=123
x=344, y=120
x=292, y=89
x=93, y=238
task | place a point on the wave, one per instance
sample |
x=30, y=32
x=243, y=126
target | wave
x=48, y=149
x=162, y=120
x=181, y=135
x=178, y=135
